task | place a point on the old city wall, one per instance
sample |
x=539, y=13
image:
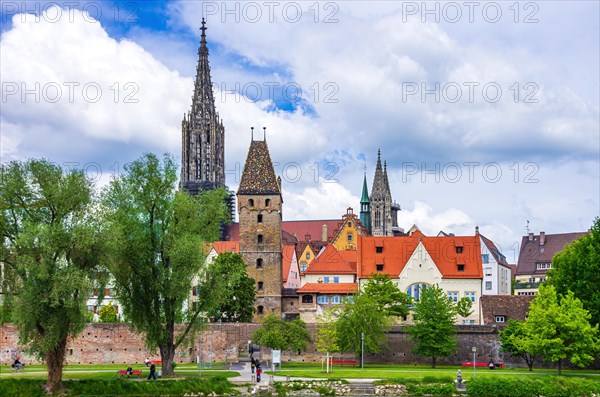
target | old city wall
x=118, y=344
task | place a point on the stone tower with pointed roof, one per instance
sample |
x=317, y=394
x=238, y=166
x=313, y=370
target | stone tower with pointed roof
x=259, y=206
x=384, y=212
x=202, y=132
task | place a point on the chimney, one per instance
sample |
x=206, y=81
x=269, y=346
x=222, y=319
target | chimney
x=307, y=237
x=476, y=230
x=542, y=238
x=324, y=233
x=530, y=236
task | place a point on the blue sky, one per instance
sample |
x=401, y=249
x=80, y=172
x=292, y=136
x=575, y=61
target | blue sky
x=487, y=114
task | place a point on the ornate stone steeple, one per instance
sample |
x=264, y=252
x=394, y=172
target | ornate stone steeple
x=382, y=213
x=203, y=134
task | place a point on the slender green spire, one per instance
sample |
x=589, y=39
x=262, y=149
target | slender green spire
x=365, y=206
x=365, y=192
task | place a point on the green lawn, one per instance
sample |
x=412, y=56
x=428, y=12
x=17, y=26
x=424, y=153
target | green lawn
x=416, y=372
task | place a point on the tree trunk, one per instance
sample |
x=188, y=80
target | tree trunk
x=167, y=351
x=560, y=366
x=55, y=360
x=433, y=362
x=529, y=361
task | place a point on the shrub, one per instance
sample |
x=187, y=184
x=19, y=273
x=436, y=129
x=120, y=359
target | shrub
x=522, y=387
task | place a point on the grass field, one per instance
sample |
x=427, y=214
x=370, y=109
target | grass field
x=417, y=372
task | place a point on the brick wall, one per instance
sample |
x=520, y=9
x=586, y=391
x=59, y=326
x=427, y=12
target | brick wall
x=116, y=343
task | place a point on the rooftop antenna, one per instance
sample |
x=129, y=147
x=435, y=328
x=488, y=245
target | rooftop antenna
x=252, y=132
x=527, y=227
x=264, y=133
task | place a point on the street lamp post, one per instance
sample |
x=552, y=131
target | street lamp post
x=474, y=349
x=362, y=350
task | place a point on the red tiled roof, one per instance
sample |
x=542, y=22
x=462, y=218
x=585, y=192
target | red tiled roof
x=287, y=254
x=332, y=261
x=512, y=307
x=226, y=246
x=329, y=288
x=299, y=229
x=398, y=250
x=531, y=251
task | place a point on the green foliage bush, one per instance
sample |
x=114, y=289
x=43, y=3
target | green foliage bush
x=119, y=387
x=547, y=387
x=431, y=389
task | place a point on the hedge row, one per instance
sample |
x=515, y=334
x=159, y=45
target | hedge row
x=524, y=387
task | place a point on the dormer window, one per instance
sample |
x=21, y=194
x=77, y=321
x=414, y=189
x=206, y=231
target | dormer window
x=460, y=268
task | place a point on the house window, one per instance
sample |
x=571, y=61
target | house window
x=308, y=255
x=488, y=271
x=470, y=295
x=259, y=218
x=260, y=310
x=500, y=319
x=260, y=239
x=307, y=299
x=379, y=267
x=379, y=250
x=485, y=258
x=415, y=290
x=460, y=268
x=349, y=237
x=336, y=279
x=336, y=299
x=453, y=296
x=459, y=250
x=325, y=279
x=303, y=266
x=322, y=299
x=488, y=285
x=260, y=286
x=267, y=203
x=107, y=292
x=259, y=263
x=251, y=202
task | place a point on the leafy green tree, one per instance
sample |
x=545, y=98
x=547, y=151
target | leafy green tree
x=558, y=328
x=154, y=235
x=297, y=336
x=327, y=336
x=50, y=251
x=277, y=334
x=433, y=330
x=236, y=291
x=271, y=333
x=108, y=314
x=515, y=341
x=362, y=316
x=464, y=307
x=382, y=290
x=577, y=268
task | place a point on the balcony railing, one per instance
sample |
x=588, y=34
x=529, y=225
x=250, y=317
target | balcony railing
x=526, y=285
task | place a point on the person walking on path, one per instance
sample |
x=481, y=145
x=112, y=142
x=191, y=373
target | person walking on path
x=152, y=372
x=258, y=373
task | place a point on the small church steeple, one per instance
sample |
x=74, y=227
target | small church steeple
x=365, y=208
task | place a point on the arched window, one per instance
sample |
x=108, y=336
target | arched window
x=414, y=290
x=259, y=239
x=259, y=286
x=259, y=263
x=260, y=310
x=267, y=203
x=259, y=218
x=307, y=299
x=251, y=202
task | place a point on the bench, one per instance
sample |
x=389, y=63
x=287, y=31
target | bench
x=156, y=362
x=135, y=372
x=344, y=362
x=482, y=364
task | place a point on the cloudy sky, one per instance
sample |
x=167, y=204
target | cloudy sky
x=487, y=113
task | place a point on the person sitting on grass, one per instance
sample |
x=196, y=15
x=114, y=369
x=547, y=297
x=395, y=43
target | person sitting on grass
x=17, y=365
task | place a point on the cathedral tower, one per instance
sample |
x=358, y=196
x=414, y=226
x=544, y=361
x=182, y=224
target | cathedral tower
x=259, y=205
x=365, y=206
x=384, y=212
x=203, y=134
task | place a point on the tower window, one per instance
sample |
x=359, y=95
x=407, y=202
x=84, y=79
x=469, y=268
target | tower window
x=267, y=202
x=251, y=202
x=259, y=218
x=259, y=263
x=259, y=239
x=259, y=286
x=260, y=310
